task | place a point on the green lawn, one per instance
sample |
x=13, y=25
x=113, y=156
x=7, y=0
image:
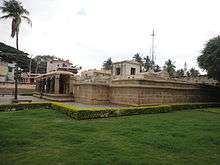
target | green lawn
x=49, y=137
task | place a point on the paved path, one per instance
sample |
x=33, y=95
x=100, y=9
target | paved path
x=6, y=99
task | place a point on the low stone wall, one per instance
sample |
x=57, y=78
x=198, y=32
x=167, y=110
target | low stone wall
x=8, y=88
x=145, y=92
x=147, y=95
x=91, y=92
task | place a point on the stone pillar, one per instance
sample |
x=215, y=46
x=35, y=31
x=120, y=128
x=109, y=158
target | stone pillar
x=46, y=85
x=56, y=84
x=72, y=80
x=51, y=85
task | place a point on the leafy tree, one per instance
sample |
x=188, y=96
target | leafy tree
x=157, y=68
x=22, y=60
x=193, y=72
x=15, y=11
x=210, y=58
x=39, y=63
x=10, y=54
x=188, y=74
x=170, y=67
x=148, y=64
x=180, y=73
x=137, y=57
x=107, y=65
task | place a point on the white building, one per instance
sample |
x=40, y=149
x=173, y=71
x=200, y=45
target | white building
x=54, y=65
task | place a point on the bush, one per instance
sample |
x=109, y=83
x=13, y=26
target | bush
x=92, y=113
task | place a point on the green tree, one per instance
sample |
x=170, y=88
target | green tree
x=193, y=72
x=180, y=73
x=210, y=58
x=39, y=63
x=15, y=11
x=107, y=65
x=137, y=57
x=157, y=68
x=148, y=64
x=170, y=67
x=10, y=54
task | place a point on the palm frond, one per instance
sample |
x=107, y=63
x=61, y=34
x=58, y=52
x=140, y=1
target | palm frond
x=27, y=19
x=25, y=11
x=14, y=7
x=6, y=16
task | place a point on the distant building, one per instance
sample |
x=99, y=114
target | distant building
x=28, y=78
x=60, y=65
x=6, y=71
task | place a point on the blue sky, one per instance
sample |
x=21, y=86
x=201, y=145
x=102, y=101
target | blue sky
x=87, y=32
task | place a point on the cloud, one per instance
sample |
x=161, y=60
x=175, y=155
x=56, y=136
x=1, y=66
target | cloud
x=81, y=12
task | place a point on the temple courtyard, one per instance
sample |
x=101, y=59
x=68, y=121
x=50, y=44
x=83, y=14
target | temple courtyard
x=50, y=137
x=6, y=99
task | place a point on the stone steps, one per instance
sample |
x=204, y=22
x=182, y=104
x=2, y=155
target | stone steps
x=58, y=99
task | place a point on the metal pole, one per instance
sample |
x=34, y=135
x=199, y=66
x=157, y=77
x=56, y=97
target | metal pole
x=153, y=34
x=30, y=69
x=30, y=65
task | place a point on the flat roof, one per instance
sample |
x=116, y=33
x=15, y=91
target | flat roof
x=55, y=73
x=128, y=61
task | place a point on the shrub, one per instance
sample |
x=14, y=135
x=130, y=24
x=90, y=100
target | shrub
x=92, y=113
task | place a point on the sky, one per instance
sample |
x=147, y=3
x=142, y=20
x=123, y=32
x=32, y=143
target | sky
x=87, y=32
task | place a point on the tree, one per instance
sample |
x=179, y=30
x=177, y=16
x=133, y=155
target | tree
x=170, y=67
x=137, y=57
x=193, y=72
x=15, y=11
x=107, y=65
x=10, y=54
x=210, y=58
x=39, y=63
x=180, y=73
x=148, y=64
x=157, y=68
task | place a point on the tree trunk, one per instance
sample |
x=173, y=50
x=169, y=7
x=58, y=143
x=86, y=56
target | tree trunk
x=16, y=71
x=17, y=40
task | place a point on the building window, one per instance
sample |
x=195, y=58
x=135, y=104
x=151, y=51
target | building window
x=133, y=70
x=118, y=71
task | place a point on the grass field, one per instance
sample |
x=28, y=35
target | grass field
x=49, y=137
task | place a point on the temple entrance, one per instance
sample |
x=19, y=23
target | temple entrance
x=64, y=84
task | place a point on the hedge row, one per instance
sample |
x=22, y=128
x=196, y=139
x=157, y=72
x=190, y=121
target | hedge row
x=92, y=113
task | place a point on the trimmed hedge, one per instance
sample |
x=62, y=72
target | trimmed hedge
x=92, y=113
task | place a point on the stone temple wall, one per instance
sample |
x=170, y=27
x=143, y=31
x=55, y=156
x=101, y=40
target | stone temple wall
x=91, y=92
x=145, y=92
x=8, y=88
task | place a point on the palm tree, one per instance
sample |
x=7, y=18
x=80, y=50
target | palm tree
x=15, y=11
x=137, y=58
x=148, y=63
x=170, y=67
x=107, y=65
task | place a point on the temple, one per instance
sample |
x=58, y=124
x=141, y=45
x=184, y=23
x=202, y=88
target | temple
x=124, y=84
